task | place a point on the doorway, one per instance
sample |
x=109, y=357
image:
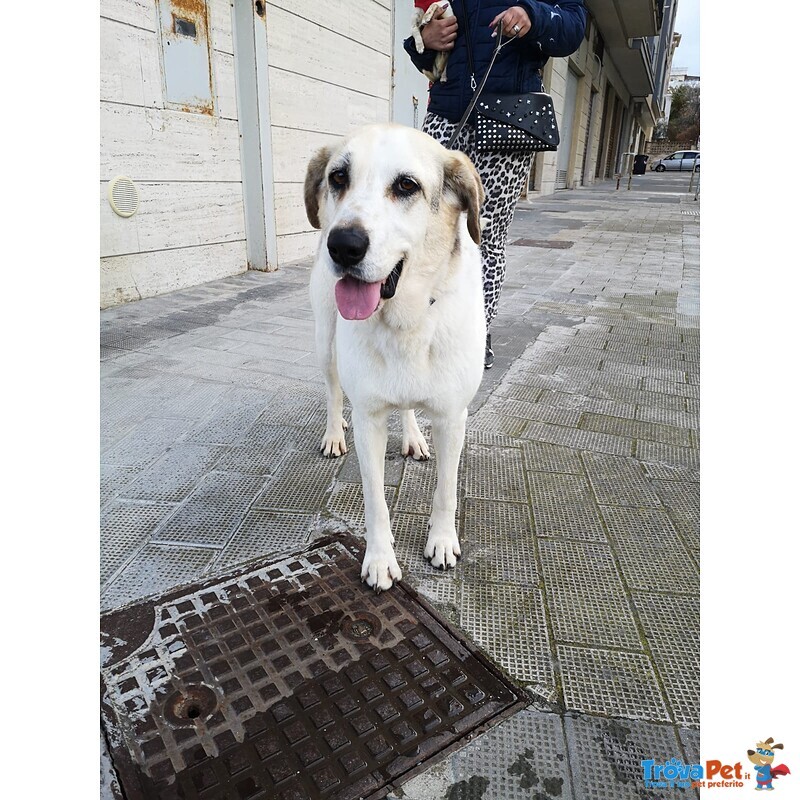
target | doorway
x=565, y=131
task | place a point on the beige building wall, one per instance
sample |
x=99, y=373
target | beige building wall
x=330, y=72
x=189, y=227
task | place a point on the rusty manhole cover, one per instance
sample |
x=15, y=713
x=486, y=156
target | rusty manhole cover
x=553, y=244
x=290, y=681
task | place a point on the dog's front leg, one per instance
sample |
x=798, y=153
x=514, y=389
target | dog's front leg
x=442, y=547
x=333, y=442
x=380, y=568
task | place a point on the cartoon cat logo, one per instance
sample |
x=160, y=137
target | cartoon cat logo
x=762, y=757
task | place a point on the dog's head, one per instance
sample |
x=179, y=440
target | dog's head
x=389, y=201
x=765, y=752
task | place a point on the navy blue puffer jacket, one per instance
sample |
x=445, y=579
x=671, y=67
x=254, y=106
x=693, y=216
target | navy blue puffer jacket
x=556, y=30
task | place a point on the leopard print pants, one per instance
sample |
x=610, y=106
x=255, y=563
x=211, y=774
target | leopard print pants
x=503, y=176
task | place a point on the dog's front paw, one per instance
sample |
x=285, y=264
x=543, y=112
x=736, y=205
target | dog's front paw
x=442, y=549
x=380, y=569
x=333, y=442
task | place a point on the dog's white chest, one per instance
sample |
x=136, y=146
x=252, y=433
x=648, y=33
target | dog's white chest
x=434, y=367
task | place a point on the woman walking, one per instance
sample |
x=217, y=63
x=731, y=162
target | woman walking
x=540, y=29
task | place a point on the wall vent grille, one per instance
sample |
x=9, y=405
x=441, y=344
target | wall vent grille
x=123, y=196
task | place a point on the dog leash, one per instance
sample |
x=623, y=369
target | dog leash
x=477, y=93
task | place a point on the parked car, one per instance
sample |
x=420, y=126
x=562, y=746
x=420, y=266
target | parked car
x=681, y=161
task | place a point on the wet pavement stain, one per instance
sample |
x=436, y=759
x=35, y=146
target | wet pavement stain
x=180, y=321
x=553, y=786
x=528, y=778
x=473, y=789
x=522, y=767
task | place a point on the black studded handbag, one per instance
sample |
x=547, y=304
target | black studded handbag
x=508, y=123
x=516, y=123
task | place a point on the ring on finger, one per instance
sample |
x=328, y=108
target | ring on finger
x=516, y=29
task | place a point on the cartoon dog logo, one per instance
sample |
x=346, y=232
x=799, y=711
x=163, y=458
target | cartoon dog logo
x=762, y=757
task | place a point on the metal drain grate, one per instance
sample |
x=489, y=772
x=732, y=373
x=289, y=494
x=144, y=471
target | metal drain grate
x=548, y=243
x=691, y=213
x=288, y=681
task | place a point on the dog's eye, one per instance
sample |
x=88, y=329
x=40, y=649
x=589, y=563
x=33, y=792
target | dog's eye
x=338, y=178
x=405, y=186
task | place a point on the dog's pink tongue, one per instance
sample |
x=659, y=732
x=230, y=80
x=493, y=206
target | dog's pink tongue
x=356, y=299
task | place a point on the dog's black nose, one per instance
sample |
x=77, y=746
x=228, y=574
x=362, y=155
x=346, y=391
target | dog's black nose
x=348, y=246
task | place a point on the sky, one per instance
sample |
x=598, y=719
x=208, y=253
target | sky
x=688, y=25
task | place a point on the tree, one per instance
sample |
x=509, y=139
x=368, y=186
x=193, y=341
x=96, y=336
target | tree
x=684, y=116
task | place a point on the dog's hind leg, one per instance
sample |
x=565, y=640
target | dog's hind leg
x=414, y=443
x=333, y=442
x=380, y=568
x=442, y=547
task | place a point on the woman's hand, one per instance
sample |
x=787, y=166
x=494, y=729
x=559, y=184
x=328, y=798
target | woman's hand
x=440, y=34
x=515, y=22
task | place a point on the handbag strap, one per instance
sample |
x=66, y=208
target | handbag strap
x=477, y=92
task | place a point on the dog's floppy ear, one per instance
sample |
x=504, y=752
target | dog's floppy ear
x=462, y=180
x=315, y=175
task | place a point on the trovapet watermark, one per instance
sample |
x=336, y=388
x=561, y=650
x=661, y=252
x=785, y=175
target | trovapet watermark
x=674, y=774
x=717, y=774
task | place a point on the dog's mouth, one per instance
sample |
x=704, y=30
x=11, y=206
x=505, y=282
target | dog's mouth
x=357, y=299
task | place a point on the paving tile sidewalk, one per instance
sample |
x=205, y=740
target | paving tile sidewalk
x=579, y=487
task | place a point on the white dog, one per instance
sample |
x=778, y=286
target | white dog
x=398, y=304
